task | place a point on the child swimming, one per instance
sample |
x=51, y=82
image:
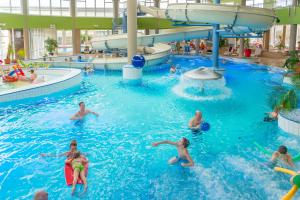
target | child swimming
x=183, y=155
x=77, y=163
x=282, y=154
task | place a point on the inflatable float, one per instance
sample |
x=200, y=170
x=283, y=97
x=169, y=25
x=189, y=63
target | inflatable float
x=295, y=181
x=69, y=174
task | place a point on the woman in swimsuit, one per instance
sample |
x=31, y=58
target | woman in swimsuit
x=77, y=163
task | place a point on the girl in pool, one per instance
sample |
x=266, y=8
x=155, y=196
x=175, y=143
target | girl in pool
x=73, y=148
x=183, y=155
x=173, y=69
x=77, y=163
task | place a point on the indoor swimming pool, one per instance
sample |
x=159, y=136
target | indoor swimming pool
x=122, y=162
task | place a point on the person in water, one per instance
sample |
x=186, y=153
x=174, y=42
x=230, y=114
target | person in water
x=195, y=122
x=73, y=148
x=183, y=155
x=173, y=69
x=41, y=195
x=82, y=112
x=272, y=116
x=77, y=162
x=282, y=154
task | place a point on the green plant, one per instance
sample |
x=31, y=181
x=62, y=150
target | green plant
x=292, y=60
x=21, y=54
x=288, y=101
x=222, y=42
x=296, y=80
x=281, y=45
x=246, y=43
x=85, y=38
x=10, y=51
x=50, y=45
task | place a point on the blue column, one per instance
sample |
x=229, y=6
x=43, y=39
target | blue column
x=216, y=41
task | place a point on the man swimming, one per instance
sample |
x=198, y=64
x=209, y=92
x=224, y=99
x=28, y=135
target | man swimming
x=82, y=112
x=282, y=154
x=195, y=122
x=183, y=155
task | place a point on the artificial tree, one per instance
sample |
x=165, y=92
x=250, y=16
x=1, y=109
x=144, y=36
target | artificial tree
x=51, y=45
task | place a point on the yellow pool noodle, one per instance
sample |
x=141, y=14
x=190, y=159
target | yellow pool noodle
x=291, y=193
x=283, y=170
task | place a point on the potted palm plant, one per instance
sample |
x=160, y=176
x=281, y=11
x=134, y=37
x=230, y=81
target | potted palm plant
x=247, y=50
x=21, y=54
x=51, y=45
x=10, y=51
x=292, y=64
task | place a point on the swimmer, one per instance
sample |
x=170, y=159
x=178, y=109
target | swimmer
x=195, y=122
x=41, y=195
x=82, y=112
x=272, y=116
x=173, y=69
x=77, y=163
x=183, y=155
x=282, y=154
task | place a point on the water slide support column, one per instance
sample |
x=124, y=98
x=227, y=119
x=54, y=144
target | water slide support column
x=130, y=73
x=197, y=40
x=26, y=29
x=241, y=49
x=216, y=41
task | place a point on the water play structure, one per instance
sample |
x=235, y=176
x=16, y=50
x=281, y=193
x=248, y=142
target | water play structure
x=296, y=182
x=236, y=21
x=202, y=73
x=54, y=80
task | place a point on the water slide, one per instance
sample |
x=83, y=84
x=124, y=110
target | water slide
x=236, y=21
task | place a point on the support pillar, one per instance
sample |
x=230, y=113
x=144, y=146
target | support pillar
x=293, y=33
x=115, y=16
x=216, y=41
x=197, y=40
x=76, y=43
x=26, y=33
x=293, y=37
x=241, y=49
x=284, y=34
x=266, y=40
x=130, y=73
x=131, y=29
x=156, y=4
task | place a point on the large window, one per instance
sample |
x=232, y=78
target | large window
x=49, y=7
x=4, y=41
x=10, y=6
x=94, y=8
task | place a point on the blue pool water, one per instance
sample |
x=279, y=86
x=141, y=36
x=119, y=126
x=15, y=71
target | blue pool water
x=123, y=164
